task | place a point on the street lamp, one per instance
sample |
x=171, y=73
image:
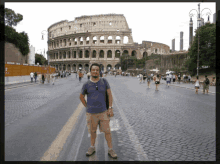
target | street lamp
x=198, y=26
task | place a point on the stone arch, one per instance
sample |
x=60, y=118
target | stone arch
x=109, y=54
x=64, y=67
x=81, y=40
x=125, y=52
x=117, y=39
x=134, y=53
x=94, y=54
x=87, y=40
x=125, y=41
x=101, y=54
x=87, y=54
x=109, y=39
x=80, y=66
x=69, y=54
x=117, y=54
x=87, y=67
x=117, y=66
x=108, y=67
x=156, y=50
x=64, y=55
x=75, y=41
x=68, y=67
x=102, y=39
x=94, y=39
x=102, y=67
x=80, y=54
x=74, y=67
x=145, y=54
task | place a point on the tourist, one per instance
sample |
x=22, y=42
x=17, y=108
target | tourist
x=144, y=77
x=157, y=81
x=179, y=78
x=140, y=77
x=97, y=114
x=197, y=84
x=168, y=80
x=80, y=76
x=35, y=76
x=174, y=78
x=43, y=78
x=88, y=75
x=206, y=83
x=32, y=76
x=189, y=77
x=148, y=80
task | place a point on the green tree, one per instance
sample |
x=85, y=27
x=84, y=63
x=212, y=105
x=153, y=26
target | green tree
x=11, y=18
x=40, y=59
x=20, y=40
x=207, y=49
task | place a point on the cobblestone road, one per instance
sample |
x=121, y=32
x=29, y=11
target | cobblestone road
x=172, y=124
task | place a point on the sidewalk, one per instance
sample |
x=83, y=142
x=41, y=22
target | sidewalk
x=212, y=89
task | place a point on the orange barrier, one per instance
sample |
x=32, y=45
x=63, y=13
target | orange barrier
x=23, y=70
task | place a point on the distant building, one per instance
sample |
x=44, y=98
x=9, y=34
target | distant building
x=214, y=18
x=173, y=45
x=31, y=55
x=181, y=41
x=190, y=32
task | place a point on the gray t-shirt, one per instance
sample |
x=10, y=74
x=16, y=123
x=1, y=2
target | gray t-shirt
x=95, y=98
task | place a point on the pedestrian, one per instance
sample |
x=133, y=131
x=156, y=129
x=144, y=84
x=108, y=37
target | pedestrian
x=171, y=78
x=97, y=112
x=157, y=81
x=144, y=77
x=148, y=80
x=174, y=78
x=179, y=78
x=53, y=77
x=32, y=76
x=168, y=80
x=206, y=83
x=189, y=77
x=115, y=74
x=197, y=84
x=184, y=78
x=140, y=77
x=76, y=74
x=43, y=78
x=35, y=76
x=88, y=75
x=80, y=76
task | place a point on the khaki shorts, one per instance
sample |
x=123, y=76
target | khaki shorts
x=101, y=119
x=205, y=87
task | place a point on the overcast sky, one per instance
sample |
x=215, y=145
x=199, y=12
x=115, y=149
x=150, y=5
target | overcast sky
x=156, y=22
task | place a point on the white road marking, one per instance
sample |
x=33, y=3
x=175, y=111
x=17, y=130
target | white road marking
x=142, y=156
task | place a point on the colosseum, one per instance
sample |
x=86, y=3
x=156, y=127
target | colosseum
x=99, y=39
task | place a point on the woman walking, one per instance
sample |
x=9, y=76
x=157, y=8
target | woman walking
x=197, y=84
x=43, y=78
x=148, y=80
x=157, y=81
x=144, y=77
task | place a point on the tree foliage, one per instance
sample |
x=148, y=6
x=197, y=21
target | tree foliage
x=20, y=40
x=207, y=49
x=40, y=59
x=11, y=18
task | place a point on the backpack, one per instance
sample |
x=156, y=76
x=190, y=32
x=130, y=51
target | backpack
x=106, y=95
x=207, y=81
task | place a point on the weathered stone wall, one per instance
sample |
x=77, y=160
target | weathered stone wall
x=12, y=54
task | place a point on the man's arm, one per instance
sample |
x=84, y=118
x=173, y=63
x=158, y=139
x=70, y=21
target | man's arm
x=82, y=98
x=110, y=97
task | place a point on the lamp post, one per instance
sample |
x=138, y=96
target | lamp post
x=198, y=26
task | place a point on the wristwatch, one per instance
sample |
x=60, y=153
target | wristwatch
x=111, y=107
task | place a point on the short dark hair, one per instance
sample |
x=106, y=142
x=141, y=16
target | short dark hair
x=205, y=75
x=157, y=75
x=94, y=64
x=197, y=77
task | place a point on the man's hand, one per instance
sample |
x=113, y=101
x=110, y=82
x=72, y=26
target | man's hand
x=110, y=112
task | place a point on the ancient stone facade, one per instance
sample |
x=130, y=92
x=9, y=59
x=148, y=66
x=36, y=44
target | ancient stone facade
x=13, y=54
x=95, y=39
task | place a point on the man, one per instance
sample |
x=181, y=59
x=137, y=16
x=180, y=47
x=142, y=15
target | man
x=179, y=78
x=148, y=80
x=53, y=77
x=97, y=112
x=32, y=76
x=206, y=83
x=76, y=74
x=168, y=80
x=184, y=79
x=80, y=76
x=35, y=76
x=141, y=77
x=174, y=78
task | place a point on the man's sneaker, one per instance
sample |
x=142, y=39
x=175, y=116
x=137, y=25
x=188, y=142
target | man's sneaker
x=90, y=151
x=112, y=153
